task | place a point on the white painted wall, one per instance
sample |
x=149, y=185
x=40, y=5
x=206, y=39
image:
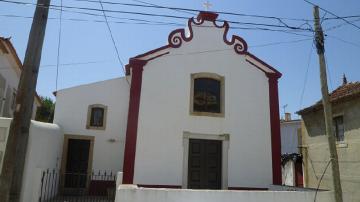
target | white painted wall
x=289, y=136
x=288, y=173
x=11, y=76
x=43, y=152
x=127, y=193
x=164, y=113
x=71, y=114
x=4, y=132
x=9, y=70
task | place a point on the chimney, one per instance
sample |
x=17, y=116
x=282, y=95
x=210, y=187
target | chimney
x=287, y=116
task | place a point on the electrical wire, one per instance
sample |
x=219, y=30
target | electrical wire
x=281, y=42
x=114, y=43
x=344, y=41
x=165, y=24
x=329, y=73
x=340, y=25
x=336, y=16
x=150, y=5
x=181, y=11
x=64, y=64
x=155, y=15
x=306, y=75
x=58, y=48
x=318, y=186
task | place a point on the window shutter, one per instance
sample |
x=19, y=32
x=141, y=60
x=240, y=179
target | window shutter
x=7, y=102
x=2, y=90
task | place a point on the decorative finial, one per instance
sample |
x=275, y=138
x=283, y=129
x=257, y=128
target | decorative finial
x=207, y=5
x=344, y=79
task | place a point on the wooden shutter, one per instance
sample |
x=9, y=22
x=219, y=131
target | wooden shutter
x=2, y=91
x=7, y=102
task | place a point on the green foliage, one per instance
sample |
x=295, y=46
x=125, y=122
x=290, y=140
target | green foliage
x=45, y=113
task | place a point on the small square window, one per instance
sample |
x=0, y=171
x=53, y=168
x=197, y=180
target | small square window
x=339, y=128
x=96, y=118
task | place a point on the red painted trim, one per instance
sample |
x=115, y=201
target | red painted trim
x=207, y=15
x=275, y=129
x=248, y=188
x=277, y=73
x=159, y=186
x=256, y=66
x=132, y=121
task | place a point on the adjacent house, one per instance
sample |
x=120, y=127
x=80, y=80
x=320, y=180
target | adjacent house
x=200, y=112
x=44, y=147
x=291, y=160
x=345, y=101
x=10, y=71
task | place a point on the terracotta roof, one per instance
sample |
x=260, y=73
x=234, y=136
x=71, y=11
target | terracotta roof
x=343, y=93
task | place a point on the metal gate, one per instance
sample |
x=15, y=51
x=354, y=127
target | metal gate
x=73, y=187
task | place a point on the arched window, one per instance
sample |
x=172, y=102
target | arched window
x=207, y=94
x=96, y=118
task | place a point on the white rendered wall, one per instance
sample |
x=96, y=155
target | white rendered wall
x=43, y=152
x=12, y=77
x=71, y=114
x=288, y=173
x=164, y=113
x=289, y=137
x=132, y=194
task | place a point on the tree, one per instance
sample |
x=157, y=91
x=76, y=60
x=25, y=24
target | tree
x=45, y=113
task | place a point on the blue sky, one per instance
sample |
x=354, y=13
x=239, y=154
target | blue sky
x=89, y=42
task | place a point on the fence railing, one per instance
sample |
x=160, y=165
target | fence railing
x=88, y=187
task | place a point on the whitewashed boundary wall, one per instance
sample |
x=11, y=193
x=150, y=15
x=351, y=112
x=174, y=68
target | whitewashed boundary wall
x=131, y=193
x=43, y=152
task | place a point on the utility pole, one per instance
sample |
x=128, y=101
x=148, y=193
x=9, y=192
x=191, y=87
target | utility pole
x=14, y=159
x=319, y=40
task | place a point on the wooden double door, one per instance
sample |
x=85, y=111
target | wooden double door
x=204, y=164
x=76, y=163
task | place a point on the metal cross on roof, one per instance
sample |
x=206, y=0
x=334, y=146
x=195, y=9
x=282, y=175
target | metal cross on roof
x=207, y=5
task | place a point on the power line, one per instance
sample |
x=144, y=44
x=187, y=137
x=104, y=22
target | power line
x=306, y=75
x=150, y=5
x=318, y=186
x=96, y=21
x=345, y=17
x=341, y=18
x=113, y=41
x=328, y=70
x=344, y=41
x=159, y=15
x=159, y=23
x=58, y=48
x=340, y=25
x=181, y=11
x=63, y=64
x=279, y=43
